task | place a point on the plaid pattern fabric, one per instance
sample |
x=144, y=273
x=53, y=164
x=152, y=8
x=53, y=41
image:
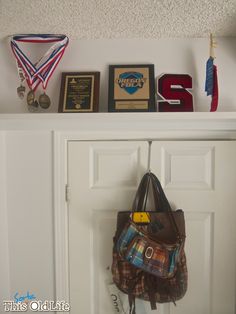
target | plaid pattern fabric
x=127, y=235
x=161, y=262
x=135, y=253
x=130, y=278
x=133, y=245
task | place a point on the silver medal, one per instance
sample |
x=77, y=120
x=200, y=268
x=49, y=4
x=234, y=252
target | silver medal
x=21, y=91
x=44, y=101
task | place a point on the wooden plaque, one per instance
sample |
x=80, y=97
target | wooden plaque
x=131, y=88
x=79, y=92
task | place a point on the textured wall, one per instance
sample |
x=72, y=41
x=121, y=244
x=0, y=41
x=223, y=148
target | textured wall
x=119, y=18
x=103, y=32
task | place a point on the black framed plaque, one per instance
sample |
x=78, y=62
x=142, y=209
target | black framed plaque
x=131, y=88
x=79, y=92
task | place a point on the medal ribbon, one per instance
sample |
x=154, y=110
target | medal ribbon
x=42, y=71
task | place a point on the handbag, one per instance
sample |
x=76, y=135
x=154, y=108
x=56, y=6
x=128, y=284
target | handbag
x=154, y=257
x=148, y=257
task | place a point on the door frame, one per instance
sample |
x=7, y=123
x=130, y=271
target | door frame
x=60, y=175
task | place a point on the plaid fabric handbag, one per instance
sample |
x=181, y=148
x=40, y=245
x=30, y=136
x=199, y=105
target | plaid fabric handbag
x=149, y=261
x=154, y=257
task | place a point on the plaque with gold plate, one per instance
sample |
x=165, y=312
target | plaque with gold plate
x=79, y=92
x=131, y=88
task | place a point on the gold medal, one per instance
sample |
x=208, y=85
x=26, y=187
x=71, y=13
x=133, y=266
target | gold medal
x=44, y=101
x=32, y=102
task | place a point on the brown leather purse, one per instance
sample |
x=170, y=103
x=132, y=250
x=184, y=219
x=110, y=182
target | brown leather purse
x=164, y=226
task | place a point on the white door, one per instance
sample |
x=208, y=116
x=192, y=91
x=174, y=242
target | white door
x=199, y=177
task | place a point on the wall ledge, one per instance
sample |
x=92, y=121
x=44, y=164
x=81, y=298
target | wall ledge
x=189, y=125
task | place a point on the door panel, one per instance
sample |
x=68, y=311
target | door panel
x=197, y=176
x=102, y=178
x=200, y=178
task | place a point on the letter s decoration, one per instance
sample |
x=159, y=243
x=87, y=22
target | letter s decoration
x=172, y=88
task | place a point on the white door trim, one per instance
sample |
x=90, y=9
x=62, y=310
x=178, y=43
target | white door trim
x=97, y=126
x=60, y=143
x=60, y=217
x=4, y=244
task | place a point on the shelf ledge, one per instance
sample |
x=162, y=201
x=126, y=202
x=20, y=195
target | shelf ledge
x=188, y=125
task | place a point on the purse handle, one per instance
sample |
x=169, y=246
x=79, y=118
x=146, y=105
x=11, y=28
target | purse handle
x=161, y=203
x=157, y=185
x=139, y=203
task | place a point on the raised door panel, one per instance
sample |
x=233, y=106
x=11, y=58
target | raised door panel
x=200, y=178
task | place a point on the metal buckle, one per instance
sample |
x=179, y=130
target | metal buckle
x=149, y=252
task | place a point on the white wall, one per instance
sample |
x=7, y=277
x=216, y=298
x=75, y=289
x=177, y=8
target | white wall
x=168, y=55
x=26, y=212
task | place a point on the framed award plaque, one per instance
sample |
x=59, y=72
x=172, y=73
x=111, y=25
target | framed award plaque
x=131, y=88
x=79, y=92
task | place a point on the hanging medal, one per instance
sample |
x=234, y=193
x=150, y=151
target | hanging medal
x=21, y=89
x=32, y=102
x=41, y=71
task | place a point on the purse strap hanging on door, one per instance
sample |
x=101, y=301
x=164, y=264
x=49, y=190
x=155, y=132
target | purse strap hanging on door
x=140, y=200
x=165, y=202
x=161, y=203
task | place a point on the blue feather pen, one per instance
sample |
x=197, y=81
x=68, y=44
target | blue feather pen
x=211, y=83
x=209, y=76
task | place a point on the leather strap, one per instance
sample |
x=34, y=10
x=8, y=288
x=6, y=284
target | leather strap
x=165, y=203
x=139, y=203
x=131, y=298
x=140, y=194
x=161, y=203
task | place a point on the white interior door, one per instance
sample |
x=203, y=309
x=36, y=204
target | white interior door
x=199, y=177
x=102, y=178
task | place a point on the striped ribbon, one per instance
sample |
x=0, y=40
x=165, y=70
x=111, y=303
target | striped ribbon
x=42, y=70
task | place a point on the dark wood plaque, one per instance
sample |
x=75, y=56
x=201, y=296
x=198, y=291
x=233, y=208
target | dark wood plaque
x=79, y=92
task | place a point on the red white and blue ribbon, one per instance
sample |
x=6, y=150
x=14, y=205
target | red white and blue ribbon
x=42, y=71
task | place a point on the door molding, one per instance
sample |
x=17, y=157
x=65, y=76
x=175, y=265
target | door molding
x=179, y=129
x=211, y=125
x=4, y=237
x=61, y=253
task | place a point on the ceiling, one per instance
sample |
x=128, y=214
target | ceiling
x=93, y=19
